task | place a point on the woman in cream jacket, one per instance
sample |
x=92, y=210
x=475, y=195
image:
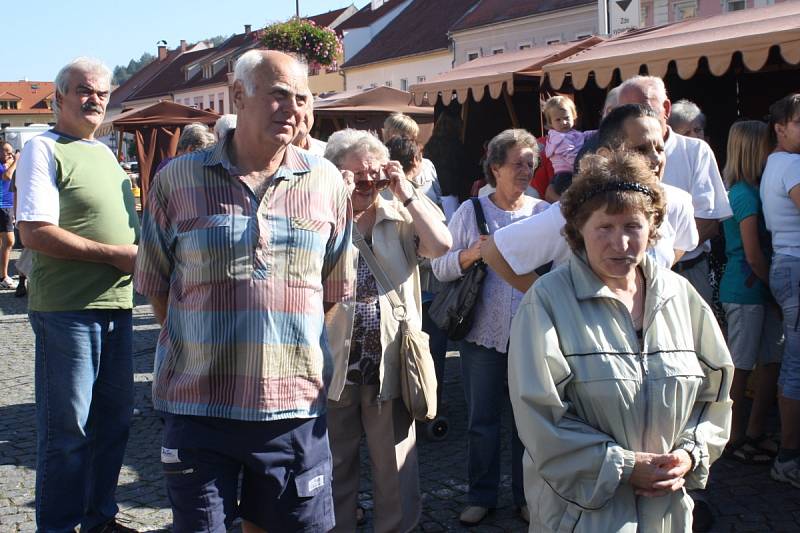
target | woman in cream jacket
x=618, y=372
x=364, y=335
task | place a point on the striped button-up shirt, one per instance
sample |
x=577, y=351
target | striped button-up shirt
x=246, y=280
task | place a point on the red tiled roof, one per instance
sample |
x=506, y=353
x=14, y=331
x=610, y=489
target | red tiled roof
x=421, y=27
x=170, y=77
x=366, y=16
x=30, y=95
x=495, y=11
x=326, y=19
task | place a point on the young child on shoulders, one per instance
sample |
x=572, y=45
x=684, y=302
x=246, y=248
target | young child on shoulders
x=563, y=140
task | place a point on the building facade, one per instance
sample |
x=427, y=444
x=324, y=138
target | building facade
x=502, y=26
x=23, y=103
x=412, y=46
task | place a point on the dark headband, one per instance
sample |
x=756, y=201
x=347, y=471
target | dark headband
x=615, y=186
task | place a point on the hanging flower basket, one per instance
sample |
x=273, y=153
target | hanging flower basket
x=318, y=45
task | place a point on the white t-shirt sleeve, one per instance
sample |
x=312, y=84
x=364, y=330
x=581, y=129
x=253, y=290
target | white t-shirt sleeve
x=37, y=192
x=535, y=241
x=708, y=191
x=791, y=178
x=686, y=236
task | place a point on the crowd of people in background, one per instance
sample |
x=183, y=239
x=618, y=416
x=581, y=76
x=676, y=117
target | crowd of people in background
x=284, y=269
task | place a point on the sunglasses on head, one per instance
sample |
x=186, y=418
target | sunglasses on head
x=368, y=185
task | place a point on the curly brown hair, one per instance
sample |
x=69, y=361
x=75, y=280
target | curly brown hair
x=586, y=195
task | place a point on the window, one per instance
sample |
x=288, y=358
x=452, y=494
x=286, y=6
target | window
x=387, y=83
x=685, y=10
x=525, y=45
x=554, y=40
x=211, y=101
x=580, y=36
x=498, y=50
x=643, y=13
x=28, y=124
x=8, y=104
x=473, y=55
x=221, y=103
x=198, y=102
x=736, y=5
x=403, y=84
x=359, y=87
x=420, y=79
x=5, y=125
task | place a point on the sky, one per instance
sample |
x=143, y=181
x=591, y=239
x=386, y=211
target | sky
x=38, y=41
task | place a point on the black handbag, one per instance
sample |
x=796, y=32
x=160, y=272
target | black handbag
x=452, y=309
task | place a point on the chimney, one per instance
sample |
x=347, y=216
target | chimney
x=247, y=28
x=183, y=45
x=162, y=50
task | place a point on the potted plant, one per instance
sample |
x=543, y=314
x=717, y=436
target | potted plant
x=320, y=46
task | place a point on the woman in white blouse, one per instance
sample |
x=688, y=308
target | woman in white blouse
x=510, y=161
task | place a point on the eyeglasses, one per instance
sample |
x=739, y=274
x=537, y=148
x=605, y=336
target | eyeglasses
x=368, y=185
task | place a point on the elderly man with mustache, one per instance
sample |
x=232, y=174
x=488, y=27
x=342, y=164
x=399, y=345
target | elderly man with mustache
x=76, y=213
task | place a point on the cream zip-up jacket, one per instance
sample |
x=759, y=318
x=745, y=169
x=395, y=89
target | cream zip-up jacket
x=586, y=397
x=393, y=243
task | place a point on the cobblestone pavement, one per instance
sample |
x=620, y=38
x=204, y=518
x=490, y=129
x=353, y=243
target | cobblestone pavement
x=744, y=498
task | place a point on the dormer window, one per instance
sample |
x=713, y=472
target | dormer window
x=208, y=71
x=9, y=104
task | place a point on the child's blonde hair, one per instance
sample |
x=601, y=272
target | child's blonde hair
x=748, y=149
x=400, y=125
x=558, y=102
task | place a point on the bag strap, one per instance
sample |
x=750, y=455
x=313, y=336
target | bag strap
x=383, y=280
x=480, y=218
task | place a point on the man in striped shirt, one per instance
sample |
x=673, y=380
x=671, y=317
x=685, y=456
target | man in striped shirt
x=244, y=246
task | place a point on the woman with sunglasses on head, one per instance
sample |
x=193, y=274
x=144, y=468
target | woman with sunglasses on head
x=511, y=158
x=364, y=395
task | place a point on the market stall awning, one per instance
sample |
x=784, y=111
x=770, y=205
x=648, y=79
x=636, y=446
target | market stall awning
x=378, y=99
x=752, y=32
x=495, y=72
x=162, y=114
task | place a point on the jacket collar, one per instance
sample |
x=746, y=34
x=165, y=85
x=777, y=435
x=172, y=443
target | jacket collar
x=588, y=285
x=295, y=161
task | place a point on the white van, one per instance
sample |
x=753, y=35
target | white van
x=18, y=136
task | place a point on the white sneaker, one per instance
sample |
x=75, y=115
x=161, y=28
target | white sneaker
x=8, y=283
x=787, y=471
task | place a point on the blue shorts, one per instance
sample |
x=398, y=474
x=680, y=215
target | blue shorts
x=285, y=469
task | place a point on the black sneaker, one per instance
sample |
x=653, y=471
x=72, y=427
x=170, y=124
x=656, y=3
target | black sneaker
x=22, y=289
x=112, y=527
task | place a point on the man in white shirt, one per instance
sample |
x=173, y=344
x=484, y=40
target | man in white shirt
x=517, y=250
x=304, y=139
x=691, y=166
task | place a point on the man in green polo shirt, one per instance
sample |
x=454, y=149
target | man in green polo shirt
x=76, y=213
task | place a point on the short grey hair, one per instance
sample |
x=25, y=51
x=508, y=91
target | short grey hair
x=86, y=65
x=247, y=64
x=350, y=141
x=649, y=85
x=195, y=136
x=497, y=151
x=245, y=68
x=224, y=124
x=685, y=112
x=612, y=100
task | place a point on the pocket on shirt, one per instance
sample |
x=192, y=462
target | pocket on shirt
x=308, y=240
x=210, y=250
